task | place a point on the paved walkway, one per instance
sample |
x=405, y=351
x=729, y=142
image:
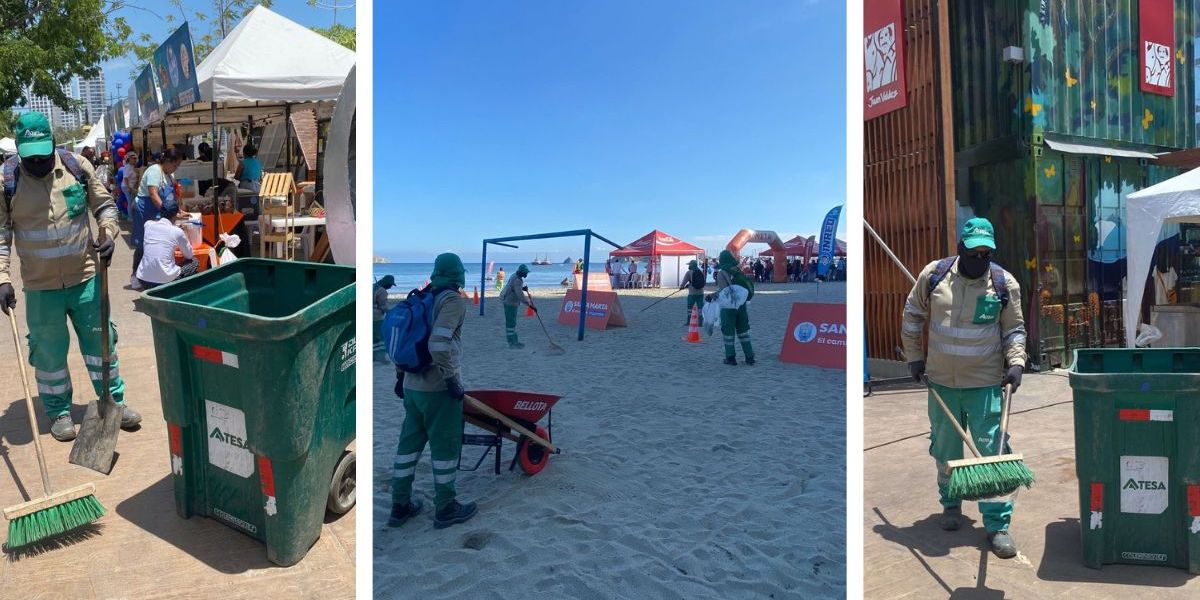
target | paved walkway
x=907, y=555
x=141, y=548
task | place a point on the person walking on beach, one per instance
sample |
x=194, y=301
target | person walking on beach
x=695, y=285
x=512, y=296
x=47, y=195
x=976, y=346
x=735, y=318
x=379, y=308
x=500, y=279
x=433, y=410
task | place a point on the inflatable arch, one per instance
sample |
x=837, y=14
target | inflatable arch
x=770, y=238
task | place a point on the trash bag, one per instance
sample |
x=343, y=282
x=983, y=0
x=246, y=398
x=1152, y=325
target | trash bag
x=712, y=317
x=1147, y=335
x=732, y=297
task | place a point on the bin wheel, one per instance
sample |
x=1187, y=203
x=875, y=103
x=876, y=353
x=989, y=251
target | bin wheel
x=342, y=486
x=532, y=456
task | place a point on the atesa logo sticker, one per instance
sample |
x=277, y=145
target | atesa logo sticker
x=569, y=306
x=805, y=332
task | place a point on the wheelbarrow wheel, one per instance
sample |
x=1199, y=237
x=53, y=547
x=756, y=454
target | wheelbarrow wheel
x=342, y=486
x=532, y=456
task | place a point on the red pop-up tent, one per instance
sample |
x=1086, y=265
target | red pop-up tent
x=657, y=244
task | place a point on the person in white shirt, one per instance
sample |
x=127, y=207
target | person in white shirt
x=160, y=240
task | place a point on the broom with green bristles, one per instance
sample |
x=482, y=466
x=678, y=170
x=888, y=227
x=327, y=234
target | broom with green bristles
x=985, y=476
x=53, y=513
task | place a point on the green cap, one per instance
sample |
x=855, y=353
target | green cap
x=448, y=270
x=387, y=281
x=34, y=136
x=978, y=232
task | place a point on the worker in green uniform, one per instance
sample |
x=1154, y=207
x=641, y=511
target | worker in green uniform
x=379, y=308
x=735, y=318
x=46, y=198
x=695, y=286
x=976, y=346
x=433, y=410
x=513, y=296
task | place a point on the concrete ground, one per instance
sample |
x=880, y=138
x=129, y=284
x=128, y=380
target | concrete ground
x=141, y=548
x=906, y=554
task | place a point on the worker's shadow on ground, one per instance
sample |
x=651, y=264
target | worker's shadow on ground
x=206, y=540
x=1062, y=561
x=926, y=538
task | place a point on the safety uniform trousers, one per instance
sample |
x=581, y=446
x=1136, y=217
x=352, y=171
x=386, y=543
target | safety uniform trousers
x=46, y=313
x=697, y=301
x=434, y=417
x=510, y=323
x=978, y=411
x=736, y=323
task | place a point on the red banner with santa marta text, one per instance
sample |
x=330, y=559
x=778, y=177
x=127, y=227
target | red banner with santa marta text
x=816, y=335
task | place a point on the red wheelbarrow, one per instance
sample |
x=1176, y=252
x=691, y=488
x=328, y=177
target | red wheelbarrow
x=512, y=415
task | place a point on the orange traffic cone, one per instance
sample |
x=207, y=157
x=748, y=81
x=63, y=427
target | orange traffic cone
x=693, y=335
x=475, y=297
x=529, y=310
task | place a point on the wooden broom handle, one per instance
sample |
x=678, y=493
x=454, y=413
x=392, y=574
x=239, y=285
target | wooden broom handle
x=954, y=421
x=33, y=430
x=1004, y=416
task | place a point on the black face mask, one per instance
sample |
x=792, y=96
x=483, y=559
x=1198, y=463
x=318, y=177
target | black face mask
x=38, y=166
x=970, y=264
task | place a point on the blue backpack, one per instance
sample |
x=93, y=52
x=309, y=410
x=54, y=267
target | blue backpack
x=406, y=330
x=11, y=175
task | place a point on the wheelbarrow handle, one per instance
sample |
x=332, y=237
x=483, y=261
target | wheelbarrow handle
x=499, y=416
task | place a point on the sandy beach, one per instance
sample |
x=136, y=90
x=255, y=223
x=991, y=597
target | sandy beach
x=680, y=477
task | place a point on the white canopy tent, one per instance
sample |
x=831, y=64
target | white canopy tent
x=96, y=133
x=1176, y=200
x=8, y=146
x=269, y=57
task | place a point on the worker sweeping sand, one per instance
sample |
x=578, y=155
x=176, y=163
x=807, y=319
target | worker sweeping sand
x=680, y=478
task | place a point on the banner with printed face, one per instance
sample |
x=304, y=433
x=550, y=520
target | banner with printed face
x=176, y=71
x=816, y=335
x=147, y=97
x=603, y=310
x=1156, y=24
x=883, y=58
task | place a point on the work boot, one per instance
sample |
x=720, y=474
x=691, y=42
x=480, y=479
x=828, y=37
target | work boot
x=729, y=360
x=749, y=360
x=453, y=513
x=129, y=417
x=516, y=345
x=401, y=513
x=63, y=428
x=951, y=518
x=1003, y=545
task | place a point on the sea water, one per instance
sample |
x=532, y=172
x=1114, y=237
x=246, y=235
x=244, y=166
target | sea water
x=413, y=275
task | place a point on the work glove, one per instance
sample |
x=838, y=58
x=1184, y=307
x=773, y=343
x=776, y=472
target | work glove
x=105, y=250
x=399, y=389
x=710, y=298
x=916, y=368
x=1013, y=377
x=8, y=297
x=533, y=308
x=455, y=389
x=525, y=288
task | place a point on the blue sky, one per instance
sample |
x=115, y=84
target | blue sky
x=695, y=117
x=118, y=72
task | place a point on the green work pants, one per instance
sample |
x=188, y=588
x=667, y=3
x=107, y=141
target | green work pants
x=433, y=417
x=978, y=411
x=736, y=323
x=697, y=301
x=46, y=314
x=510, y=324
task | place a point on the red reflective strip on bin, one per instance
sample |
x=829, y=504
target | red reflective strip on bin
x=266, y=476
x=176, y=439
x=1097, y=497
x=1193, y=500
x=1142, y=414
x=213, y=355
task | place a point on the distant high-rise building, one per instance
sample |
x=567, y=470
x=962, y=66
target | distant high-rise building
x=91, y=92
x=59, y=118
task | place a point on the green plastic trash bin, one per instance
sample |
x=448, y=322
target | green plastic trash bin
x=256, y=375
x=1137, y=455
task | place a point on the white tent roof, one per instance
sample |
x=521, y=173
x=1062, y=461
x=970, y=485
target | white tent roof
x=96, y=133
x=1176, y=200
x=8, y=145
x=269, y=57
